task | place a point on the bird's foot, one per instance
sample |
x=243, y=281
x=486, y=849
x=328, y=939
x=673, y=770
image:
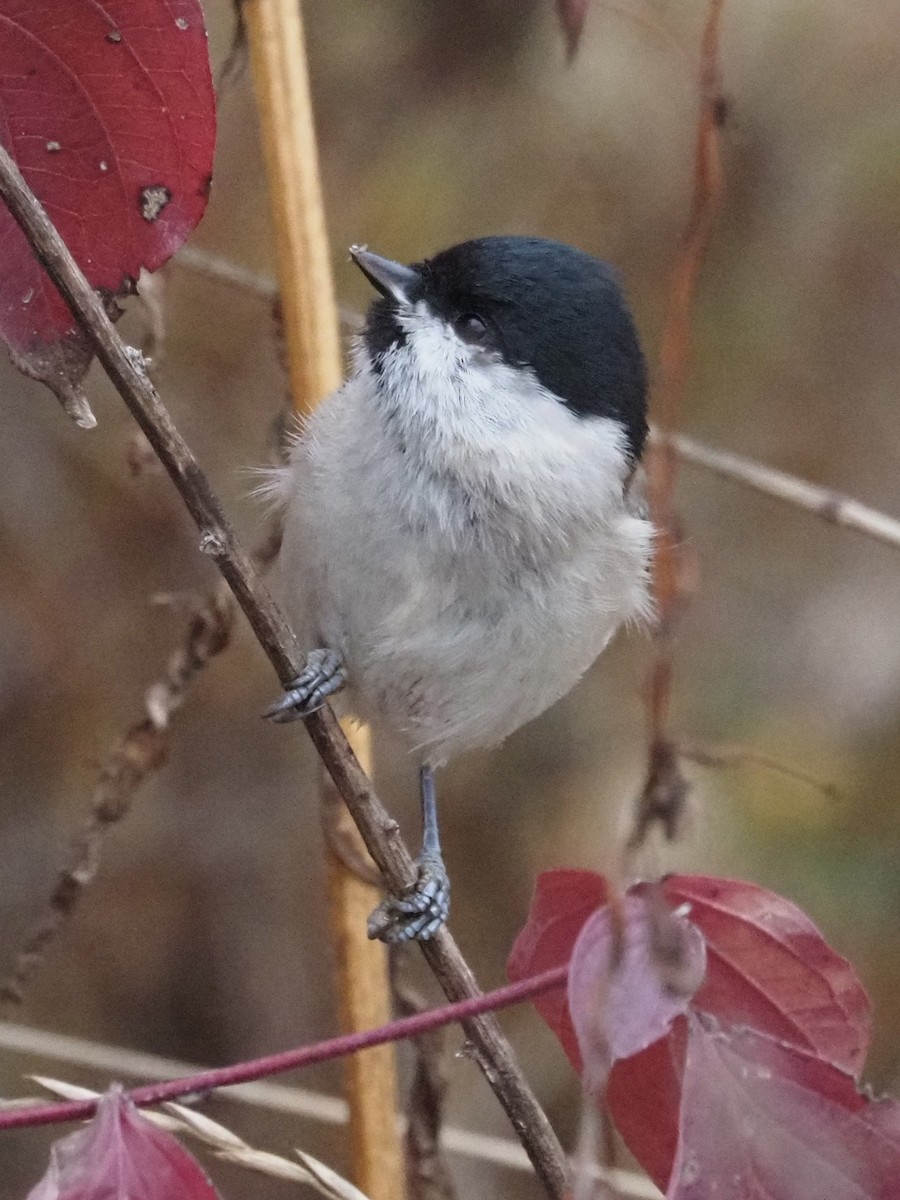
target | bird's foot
x=421, y=910
x=323, y=675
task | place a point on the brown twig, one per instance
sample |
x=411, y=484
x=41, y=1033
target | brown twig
x=380, y=833
x=822, y=502
x=723, y=757
x=427, y=1173
x=665, y=789
x=222, y=270
x=139, y=752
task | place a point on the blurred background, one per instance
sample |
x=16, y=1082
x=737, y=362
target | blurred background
x=202, y=937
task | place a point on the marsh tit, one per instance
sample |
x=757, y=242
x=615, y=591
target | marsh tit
x=462, y=537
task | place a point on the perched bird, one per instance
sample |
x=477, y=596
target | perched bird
x=461, y=536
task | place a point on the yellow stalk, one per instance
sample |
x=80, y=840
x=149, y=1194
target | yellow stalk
x=278, y=57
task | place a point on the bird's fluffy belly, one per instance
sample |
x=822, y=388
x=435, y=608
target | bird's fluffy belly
x=468, y=580
x=453, y=649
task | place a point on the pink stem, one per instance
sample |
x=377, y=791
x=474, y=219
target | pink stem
x=304, y=1056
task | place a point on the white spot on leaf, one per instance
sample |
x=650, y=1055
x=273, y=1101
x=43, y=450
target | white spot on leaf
x=153, y=200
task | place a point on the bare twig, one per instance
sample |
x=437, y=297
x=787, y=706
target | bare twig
x=139, y=752
x=305, y=1056
x=427, y=1173
x=663, y=796
x=222, y=270
x=748, y=756
x=380, y=833
x=116, y=1062
x=823, y=502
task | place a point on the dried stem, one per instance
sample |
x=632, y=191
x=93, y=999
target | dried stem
x=126, y=370
x=222, y=270
x=139, y=752
x=427, y=1172
x=275, y=38
x=822, y=502
x=664, y=792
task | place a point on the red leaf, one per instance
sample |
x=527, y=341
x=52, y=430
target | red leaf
x=643, y=1098
x=108, y=110
x=765, y=1121
x=767, y=967
x=120, y=1154
x=770, y=968
x=562, y=902
x=633, y=970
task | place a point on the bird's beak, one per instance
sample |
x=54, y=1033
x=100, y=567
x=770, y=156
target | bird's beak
x=394, y=280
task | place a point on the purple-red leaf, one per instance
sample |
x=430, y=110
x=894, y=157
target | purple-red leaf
x=634, y=969
x=765, y=1121
x=108, y=110
x=562, y=902
x=121, y=1155
x=768, y=968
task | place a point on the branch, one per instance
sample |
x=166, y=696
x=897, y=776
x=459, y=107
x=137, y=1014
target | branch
x=663, y=797
x=379, y=831
x=823, y=502
x=137, y=754
x=222, y=270
x=304, y=1056
x=116, y=1062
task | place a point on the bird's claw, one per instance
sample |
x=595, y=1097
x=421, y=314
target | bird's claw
x=322, y=676
x=421, y=910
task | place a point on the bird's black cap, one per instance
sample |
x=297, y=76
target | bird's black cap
x=547, y=306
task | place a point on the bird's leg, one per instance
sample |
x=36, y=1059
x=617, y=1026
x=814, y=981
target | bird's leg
x=322, y=676
x=422, y=909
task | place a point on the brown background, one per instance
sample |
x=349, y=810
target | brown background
x=202, y=937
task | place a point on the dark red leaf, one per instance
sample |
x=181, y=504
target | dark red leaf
x=633, y=970
x=562, y=902
x=767, y=967
x=120, y=1154
x=643, y=1097
x=765, y=1121
x=770, y=968
x=108, y=110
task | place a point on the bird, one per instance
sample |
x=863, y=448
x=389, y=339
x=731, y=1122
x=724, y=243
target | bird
x=463, y=525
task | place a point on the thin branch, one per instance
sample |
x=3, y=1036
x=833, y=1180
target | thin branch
x=380, y=832
x=720, y=757
x=117, y=1062
x=138, y=753
x=822, y=502
x=222, y=270
x=663, y=797
x=428, y=1175
x=305, y=1056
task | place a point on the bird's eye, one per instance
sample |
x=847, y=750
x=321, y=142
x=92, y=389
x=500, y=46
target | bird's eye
x=471, y=328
